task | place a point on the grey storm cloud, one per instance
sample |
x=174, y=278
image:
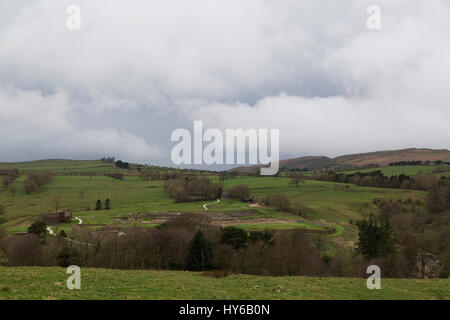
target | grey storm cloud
x=139, y=69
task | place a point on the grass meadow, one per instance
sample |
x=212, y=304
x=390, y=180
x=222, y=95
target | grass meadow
x=49, y=283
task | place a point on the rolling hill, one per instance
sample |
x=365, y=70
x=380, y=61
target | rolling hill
x=380, y=158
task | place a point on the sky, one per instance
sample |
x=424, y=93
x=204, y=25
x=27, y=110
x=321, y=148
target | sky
x=137, y=70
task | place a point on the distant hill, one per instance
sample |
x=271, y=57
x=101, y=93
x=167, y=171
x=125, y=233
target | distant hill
x=383, y=158
x=380, y=158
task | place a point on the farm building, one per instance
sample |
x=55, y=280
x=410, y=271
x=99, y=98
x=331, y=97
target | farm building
x=64, y=215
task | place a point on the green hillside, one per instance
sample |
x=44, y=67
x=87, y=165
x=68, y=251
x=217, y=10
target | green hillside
x=333, y=204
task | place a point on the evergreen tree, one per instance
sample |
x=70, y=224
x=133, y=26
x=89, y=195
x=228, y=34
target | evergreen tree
x=98, y=205
x=38, y=228
x=376, y=238
x=107, y=204
x=200, y=253
x=68, y=256
x=234, y=237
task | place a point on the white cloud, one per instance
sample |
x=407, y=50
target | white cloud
x=36, y=126
x=310, y=68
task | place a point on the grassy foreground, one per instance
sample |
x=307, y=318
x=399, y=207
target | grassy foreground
x=50, y=283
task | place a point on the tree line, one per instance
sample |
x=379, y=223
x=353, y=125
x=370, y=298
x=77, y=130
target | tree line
x=379, y=180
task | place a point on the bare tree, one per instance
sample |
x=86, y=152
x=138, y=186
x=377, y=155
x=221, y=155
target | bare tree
x=56, y=201
x=296, y=178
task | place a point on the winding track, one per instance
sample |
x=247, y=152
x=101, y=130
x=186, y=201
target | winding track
x=205, y=206
x=52, y=233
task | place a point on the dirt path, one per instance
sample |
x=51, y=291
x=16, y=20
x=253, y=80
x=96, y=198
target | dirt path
x=205, y=206
x=52, y=233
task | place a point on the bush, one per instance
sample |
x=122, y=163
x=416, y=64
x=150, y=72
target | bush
x=98, y=205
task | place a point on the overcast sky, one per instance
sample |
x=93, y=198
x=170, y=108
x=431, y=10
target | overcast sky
x=139, y=69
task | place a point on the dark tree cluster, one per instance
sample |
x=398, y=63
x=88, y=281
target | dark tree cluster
x=184, y=243
x=377, y=179
x=122, y=165
x=376, y=238
x=99, y=204
x=240, y=192
x=192, y=189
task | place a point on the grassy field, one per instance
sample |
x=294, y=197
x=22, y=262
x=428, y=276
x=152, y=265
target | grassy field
x=326, y=202
x=330, y=204
x=50, y=283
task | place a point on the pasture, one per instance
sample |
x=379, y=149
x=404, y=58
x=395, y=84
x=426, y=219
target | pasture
x=49, y=283
x=327, y=204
